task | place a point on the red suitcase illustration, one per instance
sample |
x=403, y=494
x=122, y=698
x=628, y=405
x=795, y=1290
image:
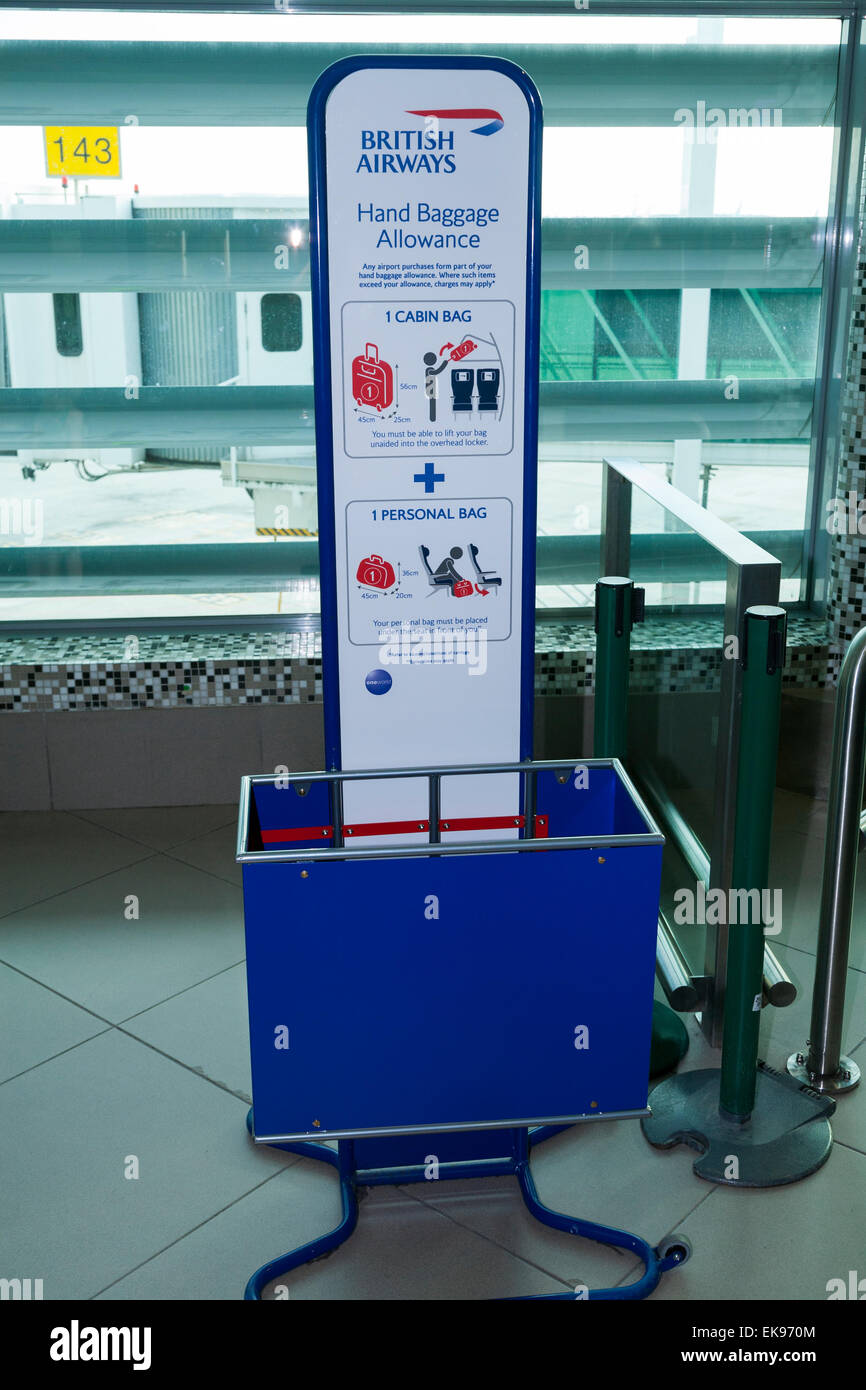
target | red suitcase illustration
x=462, y=589
x=375, y=573
x=462, y=350
x=372, y=380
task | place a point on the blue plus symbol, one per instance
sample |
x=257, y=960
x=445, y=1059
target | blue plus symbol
x=429, y=477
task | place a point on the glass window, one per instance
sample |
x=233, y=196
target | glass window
x=688, y=162
x=67, y=325
x=281, y=322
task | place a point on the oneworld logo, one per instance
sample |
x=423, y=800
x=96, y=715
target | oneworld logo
x=378, y=682
x=76, y=1343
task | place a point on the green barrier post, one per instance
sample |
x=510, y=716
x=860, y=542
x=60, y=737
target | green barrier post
x=618, y=606
x=762, y=657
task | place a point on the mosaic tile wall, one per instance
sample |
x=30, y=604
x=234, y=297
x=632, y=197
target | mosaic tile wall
x=166, y=671
x=846, y=589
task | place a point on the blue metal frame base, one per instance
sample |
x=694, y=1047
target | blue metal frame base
x=517, y=1165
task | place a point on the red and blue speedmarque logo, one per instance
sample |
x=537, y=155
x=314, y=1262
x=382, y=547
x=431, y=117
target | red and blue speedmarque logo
x=467, y=113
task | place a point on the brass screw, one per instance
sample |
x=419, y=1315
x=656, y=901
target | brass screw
x=593, y=1105
x=601, y=859
x=317, y=1124
x=305, y=873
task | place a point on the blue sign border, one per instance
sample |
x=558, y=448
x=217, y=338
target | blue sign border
x=316, y=143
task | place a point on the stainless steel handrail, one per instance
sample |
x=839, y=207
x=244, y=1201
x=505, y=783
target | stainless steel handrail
x=823, y=1066
x=683, y=991
x=432, y=845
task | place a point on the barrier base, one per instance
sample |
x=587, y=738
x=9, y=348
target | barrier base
x=786, y=1138
x=836, y=1084
x=656, y=1261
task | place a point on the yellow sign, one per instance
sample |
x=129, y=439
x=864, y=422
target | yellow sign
x=82, y=151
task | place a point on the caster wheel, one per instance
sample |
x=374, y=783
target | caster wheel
x=676, y=1249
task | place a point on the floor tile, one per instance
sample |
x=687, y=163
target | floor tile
x=216, y=1260
x=781, y=1243
x=493, y=1207
x=46, y=852
x=67, y=1131
x=206, y=1028
x=213, y=852
x=163, y=827
x=604, y=1172
x=793, y=811
x=36, y=1024
x=190, y=927
x=849, y=1122
x=405, y=1249
x=401, y=1249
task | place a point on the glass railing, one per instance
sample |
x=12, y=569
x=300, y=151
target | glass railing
x=684, y=705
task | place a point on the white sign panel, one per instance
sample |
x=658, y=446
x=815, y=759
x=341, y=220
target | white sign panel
x=424, y=210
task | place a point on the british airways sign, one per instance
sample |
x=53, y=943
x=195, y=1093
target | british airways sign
x=426, y=151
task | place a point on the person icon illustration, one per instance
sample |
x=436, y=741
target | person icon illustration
x=448, y=567
x=431, y=371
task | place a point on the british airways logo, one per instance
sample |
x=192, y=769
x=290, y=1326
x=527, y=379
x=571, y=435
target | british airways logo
x=468, y=113
x=426, y=151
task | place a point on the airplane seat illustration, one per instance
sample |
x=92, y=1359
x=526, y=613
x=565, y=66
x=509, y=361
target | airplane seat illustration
x=488, y=388
x=438, y=581
x=462, y=382
x=490, y=579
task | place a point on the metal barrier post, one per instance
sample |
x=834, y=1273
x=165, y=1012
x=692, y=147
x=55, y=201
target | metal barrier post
x=824, y=1068
x=618, y=606
x=763, y=646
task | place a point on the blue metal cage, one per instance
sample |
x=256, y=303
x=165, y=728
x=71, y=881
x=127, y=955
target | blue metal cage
x=398, y=989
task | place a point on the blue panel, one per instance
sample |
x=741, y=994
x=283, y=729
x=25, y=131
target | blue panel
x=575, y=809
x=627, y=818
x=396, y=1020
x=283, y=808
x=603, y=807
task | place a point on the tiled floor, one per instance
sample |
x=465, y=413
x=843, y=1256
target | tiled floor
x=123, y=1045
